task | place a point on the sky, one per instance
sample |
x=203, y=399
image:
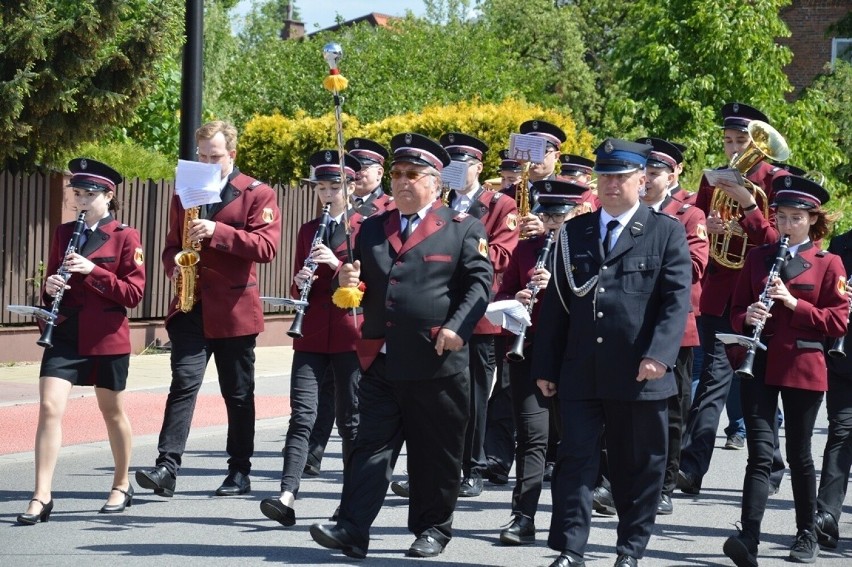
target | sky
x=324, y=12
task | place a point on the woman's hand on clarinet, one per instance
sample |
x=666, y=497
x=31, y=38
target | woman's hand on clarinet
x=322, y=254
x=303, y=276
x=77, y=264
x=523, y=296
x=350, y=274
x=779, y=292
x=53, y=284
x=756, y=313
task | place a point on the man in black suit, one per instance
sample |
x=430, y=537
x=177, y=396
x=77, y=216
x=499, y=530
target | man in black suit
x=624, y=275
x=426, y=277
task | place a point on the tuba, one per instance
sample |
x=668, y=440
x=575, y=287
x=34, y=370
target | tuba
x=729, y=249
x=186, y=281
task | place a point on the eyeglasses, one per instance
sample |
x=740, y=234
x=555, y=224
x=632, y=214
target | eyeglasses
x=553, y=217
x=409, y=174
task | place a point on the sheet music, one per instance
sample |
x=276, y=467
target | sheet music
x=455, y=175
x=525, y=147
x=728, y=174
x=198, y=183
x=509, y=314
x=284, y=301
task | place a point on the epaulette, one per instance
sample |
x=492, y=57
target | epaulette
x=122, y=226
x=683, y=209
x=255, y=183
x=774, y=170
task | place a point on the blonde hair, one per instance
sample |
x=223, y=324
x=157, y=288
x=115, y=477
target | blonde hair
x=207, y=131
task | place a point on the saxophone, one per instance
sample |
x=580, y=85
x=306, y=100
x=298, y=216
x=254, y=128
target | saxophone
x=186, y=281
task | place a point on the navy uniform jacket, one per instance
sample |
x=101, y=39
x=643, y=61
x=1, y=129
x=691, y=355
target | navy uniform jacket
x=637, y=309
x=440, y=277
x=842, y=246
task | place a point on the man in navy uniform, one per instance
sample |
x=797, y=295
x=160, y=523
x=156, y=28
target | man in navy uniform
x=626, y=285
x=426, y=277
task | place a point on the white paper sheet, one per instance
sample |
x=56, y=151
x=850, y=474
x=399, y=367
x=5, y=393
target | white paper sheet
x=454, y=175
x=198, y=183
x=714, y=175
x=509, y=314
x=525, y=147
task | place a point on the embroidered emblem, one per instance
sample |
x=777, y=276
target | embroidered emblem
x=327, y=157
x=483, y=247
x=139, y=256
x=701, y=231
x=788, y=181
x=548, y=187
x=408, y=138
x=512, y=221
x=535, y=125
x=841, y=286
x=608, y=147
x=452, y=138
x=736, y=107
x=84, y=164
x=356, y=143
x=268, y=215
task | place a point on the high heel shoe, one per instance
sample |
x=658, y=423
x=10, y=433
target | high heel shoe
x=117, y=508
x=43, y=516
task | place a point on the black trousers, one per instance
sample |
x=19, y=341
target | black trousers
x=430, y=416
x=309, y=370
x=500, y=424
x=837, y=458
x=678, y=410
x=324, y=423
x=710, y=397
x=474, y=463
x=532, y=418
x=234, y=358
x=636, y=437
x=760, y=409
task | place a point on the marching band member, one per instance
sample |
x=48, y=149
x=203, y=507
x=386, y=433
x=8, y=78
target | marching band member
x=367, y=199
x=530, y=409
x=717, y=288
x=234, y=235
x=809, y=303
x=623, y=273
x=328, y=332
x=426, y=278
x=91, y=341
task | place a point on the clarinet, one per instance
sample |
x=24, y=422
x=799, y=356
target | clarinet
x=516, y=353
x=46, y=339
x=296, y=328
x=746, y=370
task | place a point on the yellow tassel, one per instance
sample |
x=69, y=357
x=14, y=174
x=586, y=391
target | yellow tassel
x=347, y=297
x=335, y=83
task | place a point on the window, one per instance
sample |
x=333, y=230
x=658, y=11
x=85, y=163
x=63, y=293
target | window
x=841, y=48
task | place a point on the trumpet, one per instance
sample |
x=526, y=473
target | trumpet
x=516, y=353
x=764, y=142
x=753, y=343
x=46, y=339
x=295, y=330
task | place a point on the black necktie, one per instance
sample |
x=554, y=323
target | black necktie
x=610, y=226
x=86, y=235
x=409, y=227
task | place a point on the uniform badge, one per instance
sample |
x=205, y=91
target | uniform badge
x=483, y=247
x=511, y=221
x=608, y=147
x=328, y=157
x=788, y=181
x=841, y=286
x=267, y=215
x=139, y=256
x=83, y=164
x=701, y=231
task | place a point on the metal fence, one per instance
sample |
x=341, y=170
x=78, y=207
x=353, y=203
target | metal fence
x=33, y=204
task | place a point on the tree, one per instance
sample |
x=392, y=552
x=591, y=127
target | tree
x=71, y=71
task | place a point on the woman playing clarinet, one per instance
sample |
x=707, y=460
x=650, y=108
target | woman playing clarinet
x=799, y=308
x=326, y=335
x=98, y=280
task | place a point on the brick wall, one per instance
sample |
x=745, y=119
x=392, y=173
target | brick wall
x=811, y=47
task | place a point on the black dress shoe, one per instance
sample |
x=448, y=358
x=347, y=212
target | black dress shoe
x=276, y=510
x=521, y=531
x=235, y=483
x=548, y=472
x=42, y=516
x=603, y=502
x=401, y=489
x=470, y=487
x=826, y=530
x=158, y=479
x=118, y=508
x=565, y=560
x=425, y=546
x=741, y=549
x=312, y=467
x=626, y=561
x=664, y=507
x=688, y=483
x=334, y=537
